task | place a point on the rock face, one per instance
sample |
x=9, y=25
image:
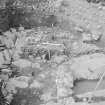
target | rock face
x=88, y=66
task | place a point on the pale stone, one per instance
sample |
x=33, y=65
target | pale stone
x=6, y=70
x=20, y=43
x=1, y=59
x=36, y=84
x=5, y=58
x=62, y=92
x=23, y=78
x=10, y=35
x=59, y=59
x=64, y=80
x=21, y=28
x=67, y=101
x=17, y=82
x=81, y=48
x=96, y=35
x=22, y=63
x=7, y=55
x=86, y=37
x=87, y=65
x=16, y=55
x=46, y=96
x=9, y=43
x=35, y=65
x=79, y=29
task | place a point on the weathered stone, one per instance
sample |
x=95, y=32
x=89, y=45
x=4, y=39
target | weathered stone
x=22, y=63
x=88, y=66
x=19, y=82
x=64, y=81
x=79, y=48
x=59, y=59
x=36, y=84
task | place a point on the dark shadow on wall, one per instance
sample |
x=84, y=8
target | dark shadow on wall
x=12, y=16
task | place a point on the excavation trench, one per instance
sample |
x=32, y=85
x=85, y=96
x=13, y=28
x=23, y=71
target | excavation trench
x=83, y=86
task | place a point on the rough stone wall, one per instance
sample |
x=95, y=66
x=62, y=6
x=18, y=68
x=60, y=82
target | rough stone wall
x=85, y=15
x=28, y=13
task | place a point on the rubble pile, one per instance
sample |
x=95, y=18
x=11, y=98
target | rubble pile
x=38, y=69
x=27, y=64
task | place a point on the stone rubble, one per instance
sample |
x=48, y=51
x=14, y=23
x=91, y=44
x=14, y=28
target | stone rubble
x=53, y=79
